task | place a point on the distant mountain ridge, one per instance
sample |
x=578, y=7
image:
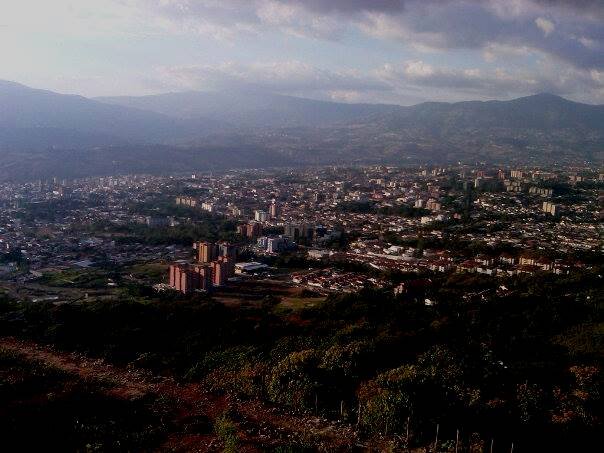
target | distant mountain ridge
x=71, y=120
x=272, y=129
x=541, y=111
x=250, y=109
x=272, y=110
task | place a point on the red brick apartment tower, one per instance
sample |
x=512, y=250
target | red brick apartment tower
x=222, y=269
x=205, y=277
x=229, y=265
x=254, y=229
x=184, y=279
x=206, y=252
x=172, y=273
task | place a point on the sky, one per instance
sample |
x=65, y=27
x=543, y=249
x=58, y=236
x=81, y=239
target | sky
x=386, y=51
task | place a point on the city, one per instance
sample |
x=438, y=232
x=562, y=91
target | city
x=326, y=221
x=279, y=250
x=297, y=226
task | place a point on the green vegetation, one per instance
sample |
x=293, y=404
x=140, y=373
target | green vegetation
x=226, y=430
x=522, y=366
x=84, y=278
x=47, y=410
x=210, y=229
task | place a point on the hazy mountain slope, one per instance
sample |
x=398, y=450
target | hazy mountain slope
x=66, y=120
x=247, y=109
x=127, y=159
x=540, y=112
x=256, y=130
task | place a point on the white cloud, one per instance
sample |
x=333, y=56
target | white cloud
x=446, y=83
x=418, y=69
x=412, y=79
x=287, y=77
x=546, y=26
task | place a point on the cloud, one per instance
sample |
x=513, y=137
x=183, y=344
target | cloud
x=498, y=83
x=421, y=25
x=407, y=82
x=450, y=49
x=546, y=26
x=285, y=77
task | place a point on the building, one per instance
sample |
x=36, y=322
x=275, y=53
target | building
x=549, y=208
x=273, y=210
x=207, y=206
x=260, y=216
x=243, y=268
x=253, y=230
x=512, y=186
x=227, y=249
x=433, y=205
x=206, y=252
x=298, y=231
x=219, y=273
x=205, y=277
x=186, y=201
x=183, y=278
x=534, y=190
x=318, y=254
x=575, y=179
x=276, y=244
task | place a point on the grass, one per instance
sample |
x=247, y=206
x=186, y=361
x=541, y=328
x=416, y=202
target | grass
x=150, y=271
x=297, y=303
x=75, y=278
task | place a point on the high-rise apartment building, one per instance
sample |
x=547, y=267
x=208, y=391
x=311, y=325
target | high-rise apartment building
x=260, y=216
x=206, y=252
x=274, y=210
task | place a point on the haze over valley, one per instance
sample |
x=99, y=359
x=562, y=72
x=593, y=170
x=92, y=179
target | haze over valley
x=45, y=134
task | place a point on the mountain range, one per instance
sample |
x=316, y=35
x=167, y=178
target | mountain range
x=230, y=129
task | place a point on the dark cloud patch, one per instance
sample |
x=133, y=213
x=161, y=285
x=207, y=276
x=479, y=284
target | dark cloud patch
x=585, y=5
x=396, y=6
x=496, y=83
x=473, y=25
x=567, y=35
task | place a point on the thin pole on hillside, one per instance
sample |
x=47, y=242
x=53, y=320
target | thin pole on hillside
x=407, y=433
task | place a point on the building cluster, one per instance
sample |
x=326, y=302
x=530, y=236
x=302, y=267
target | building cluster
x=549, y=208
x=215, y=264
x=517, y=220
x=331, y=280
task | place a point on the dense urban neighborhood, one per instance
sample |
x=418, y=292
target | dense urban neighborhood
x=492, y=221
x=367, y=308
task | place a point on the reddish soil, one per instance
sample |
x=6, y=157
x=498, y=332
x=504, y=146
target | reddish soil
x=260, y=426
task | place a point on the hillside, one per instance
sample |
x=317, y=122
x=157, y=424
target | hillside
x=251, y=109
x=241, y=129
x=31, y=118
